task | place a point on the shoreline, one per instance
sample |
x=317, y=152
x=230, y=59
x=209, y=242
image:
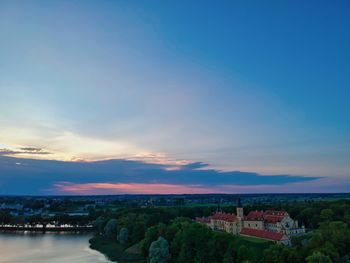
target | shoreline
x=114, y=251
x=46, y=229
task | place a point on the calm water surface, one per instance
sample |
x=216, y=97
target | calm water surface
x=47, y=248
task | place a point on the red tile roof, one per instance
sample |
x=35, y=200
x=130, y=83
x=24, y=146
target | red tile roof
x=276, y=213
x=224, y=216
x=255, y=215
x=262, y=234
x=274, y=216
x=273, y=219
x=268, y=216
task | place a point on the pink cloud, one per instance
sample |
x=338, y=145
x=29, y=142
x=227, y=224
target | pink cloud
x=325, y=185
x=130, y=188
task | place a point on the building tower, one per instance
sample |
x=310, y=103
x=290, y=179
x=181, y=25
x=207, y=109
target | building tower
x=218, y=207
x=240, y=213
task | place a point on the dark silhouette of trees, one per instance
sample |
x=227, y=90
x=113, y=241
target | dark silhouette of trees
x=111, y=229
x=123, y=235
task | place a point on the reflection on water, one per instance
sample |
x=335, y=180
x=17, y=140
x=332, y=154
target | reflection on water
x=49, y=247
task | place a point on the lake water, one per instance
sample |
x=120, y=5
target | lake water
x=49, y=247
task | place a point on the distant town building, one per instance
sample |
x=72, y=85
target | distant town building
x=276, y=226
x=11, y=206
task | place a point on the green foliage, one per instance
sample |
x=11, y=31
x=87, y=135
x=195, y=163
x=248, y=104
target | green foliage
x=318, y=257
x=113, y=250
x=192, y=244
x=280, y=253
x=330, y=251
x=189, y=241
x=100, y=223
x=159, y=251
x=111, y=229
x=347, y=219
x=175, y=226
x=123, y=235
x=5, y=217
x=218, y=244
x=228, y=258
x=327, y=214
x=332, y=240
x=338, y=234
x=243, y=253
x=231, y=253
x=256, y=246
x=150, y=236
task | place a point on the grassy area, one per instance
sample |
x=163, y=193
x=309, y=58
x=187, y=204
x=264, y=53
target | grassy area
x=114, y=251
x=254, y=240
x=134, y=249
x=256, y=245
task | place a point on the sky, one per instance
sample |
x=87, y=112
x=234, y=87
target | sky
x=118, y=97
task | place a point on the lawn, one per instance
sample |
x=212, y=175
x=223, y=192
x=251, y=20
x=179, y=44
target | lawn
x=256, y=245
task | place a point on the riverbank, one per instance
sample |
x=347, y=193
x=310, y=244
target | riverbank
x=115, y=251
x=41, y=228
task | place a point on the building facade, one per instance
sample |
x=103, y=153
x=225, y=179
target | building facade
x=276, y=226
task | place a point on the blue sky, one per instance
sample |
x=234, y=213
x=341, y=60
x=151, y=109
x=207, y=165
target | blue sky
x=250, y=86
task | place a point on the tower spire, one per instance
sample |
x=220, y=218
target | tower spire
x=239, y=209
x=239, y=204
x=218, y=207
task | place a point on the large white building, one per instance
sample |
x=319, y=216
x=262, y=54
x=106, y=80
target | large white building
x=275, y=226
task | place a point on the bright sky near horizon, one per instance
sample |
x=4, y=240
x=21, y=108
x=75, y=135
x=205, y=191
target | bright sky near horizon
x=250, y=86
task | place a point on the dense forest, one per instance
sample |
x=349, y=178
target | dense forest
x=170, y=234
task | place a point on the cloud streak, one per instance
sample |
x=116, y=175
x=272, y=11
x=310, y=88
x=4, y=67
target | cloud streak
x=23, y=150
x=132, y=188
x=127, y=176
x=322, y=185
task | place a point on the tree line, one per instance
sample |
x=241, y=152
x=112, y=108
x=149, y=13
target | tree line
x=171, y=235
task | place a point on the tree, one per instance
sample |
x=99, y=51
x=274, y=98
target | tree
x=228, y=259
x=330, y=251
x=191, y=244
x=123, y=235
x=280, y=253
x=338, y=234
x=243, y=253
x=137, y=231
x=5, y=217
x=327, y=214
x=217, y=246
x=176, y=225
x=100, y=224
x=111, y=228
x=151, y=235
x=347, y=219
x=230, y=254
x=159, y=251
x=318, y=257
